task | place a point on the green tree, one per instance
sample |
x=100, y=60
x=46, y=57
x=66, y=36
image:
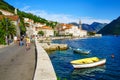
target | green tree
x=41, y=33
x=22, y=26
x=0, y=13
x=3, y=31
x=7, y=28
x=2, y=35
x=91, y=33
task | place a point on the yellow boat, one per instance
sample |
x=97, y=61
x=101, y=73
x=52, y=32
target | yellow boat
x=87, y=62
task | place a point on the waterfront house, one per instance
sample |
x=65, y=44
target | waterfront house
x=37, y=25
x=83, y=33
x=69, y=29
x=48, y=31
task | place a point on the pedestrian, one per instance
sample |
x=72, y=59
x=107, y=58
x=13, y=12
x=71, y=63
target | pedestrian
x=21, y=41
x=15, y=39
x=18, y=41
x=28, y=43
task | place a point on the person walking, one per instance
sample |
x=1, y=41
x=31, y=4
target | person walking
x=21, y=41
x=15, y=39
x=28, y=43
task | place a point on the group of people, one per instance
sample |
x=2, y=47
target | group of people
x=23, y=40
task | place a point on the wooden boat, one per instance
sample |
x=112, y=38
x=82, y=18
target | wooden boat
x=81, y=51
x=88, y=62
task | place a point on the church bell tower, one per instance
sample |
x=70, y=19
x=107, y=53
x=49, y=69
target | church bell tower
x=80, y=25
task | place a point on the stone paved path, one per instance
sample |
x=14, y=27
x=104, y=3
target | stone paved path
x=16, y=63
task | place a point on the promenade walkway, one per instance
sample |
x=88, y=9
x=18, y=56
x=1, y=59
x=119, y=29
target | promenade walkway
x=44, y=68
x=16, y=63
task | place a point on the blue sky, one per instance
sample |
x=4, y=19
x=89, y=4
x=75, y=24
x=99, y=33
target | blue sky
x=66, y=11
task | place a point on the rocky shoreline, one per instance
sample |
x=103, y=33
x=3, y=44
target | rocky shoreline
x=53, y=46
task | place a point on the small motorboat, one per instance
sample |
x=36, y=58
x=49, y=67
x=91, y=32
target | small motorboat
x=81, y=51
x=88, y=62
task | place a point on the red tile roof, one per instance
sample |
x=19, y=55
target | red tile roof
x=44, y=27
x=13, y=18
x=66, y=26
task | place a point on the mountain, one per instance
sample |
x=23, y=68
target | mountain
x=86, y=27
x=97, y=26
x=94, y=27
x=112, y=28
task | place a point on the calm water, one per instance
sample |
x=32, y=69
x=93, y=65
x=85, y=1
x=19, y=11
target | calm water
x=101, y=47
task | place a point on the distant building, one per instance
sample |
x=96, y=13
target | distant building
x=48, y=31
x=38, y=24
x=83, y=33
x=80, y=25
x=69, y=29
x=4, y=12
x=30, y=29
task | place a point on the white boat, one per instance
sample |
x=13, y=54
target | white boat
x=81, y=51
x=88, y=62
x=88, y=71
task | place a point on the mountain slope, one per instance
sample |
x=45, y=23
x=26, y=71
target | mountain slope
x=97, y=26
x=112, y=28
x=5, y=6
x=94, y=27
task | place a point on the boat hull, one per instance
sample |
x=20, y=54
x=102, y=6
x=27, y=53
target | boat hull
x=101, y=62
x=81, y=51
x=84, y=52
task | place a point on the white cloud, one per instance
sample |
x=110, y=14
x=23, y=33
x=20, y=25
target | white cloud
x=25, y=8
x=63, y=18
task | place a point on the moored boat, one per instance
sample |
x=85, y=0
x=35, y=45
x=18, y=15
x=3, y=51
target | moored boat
x=81, y=51
x=88, y=62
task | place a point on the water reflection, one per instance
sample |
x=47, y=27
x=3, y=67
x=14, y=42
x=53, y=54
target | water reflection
x=89, y=71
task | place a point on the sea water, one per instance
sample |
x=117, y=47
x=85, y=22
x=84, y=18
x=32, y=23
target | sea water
x=102, y=47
